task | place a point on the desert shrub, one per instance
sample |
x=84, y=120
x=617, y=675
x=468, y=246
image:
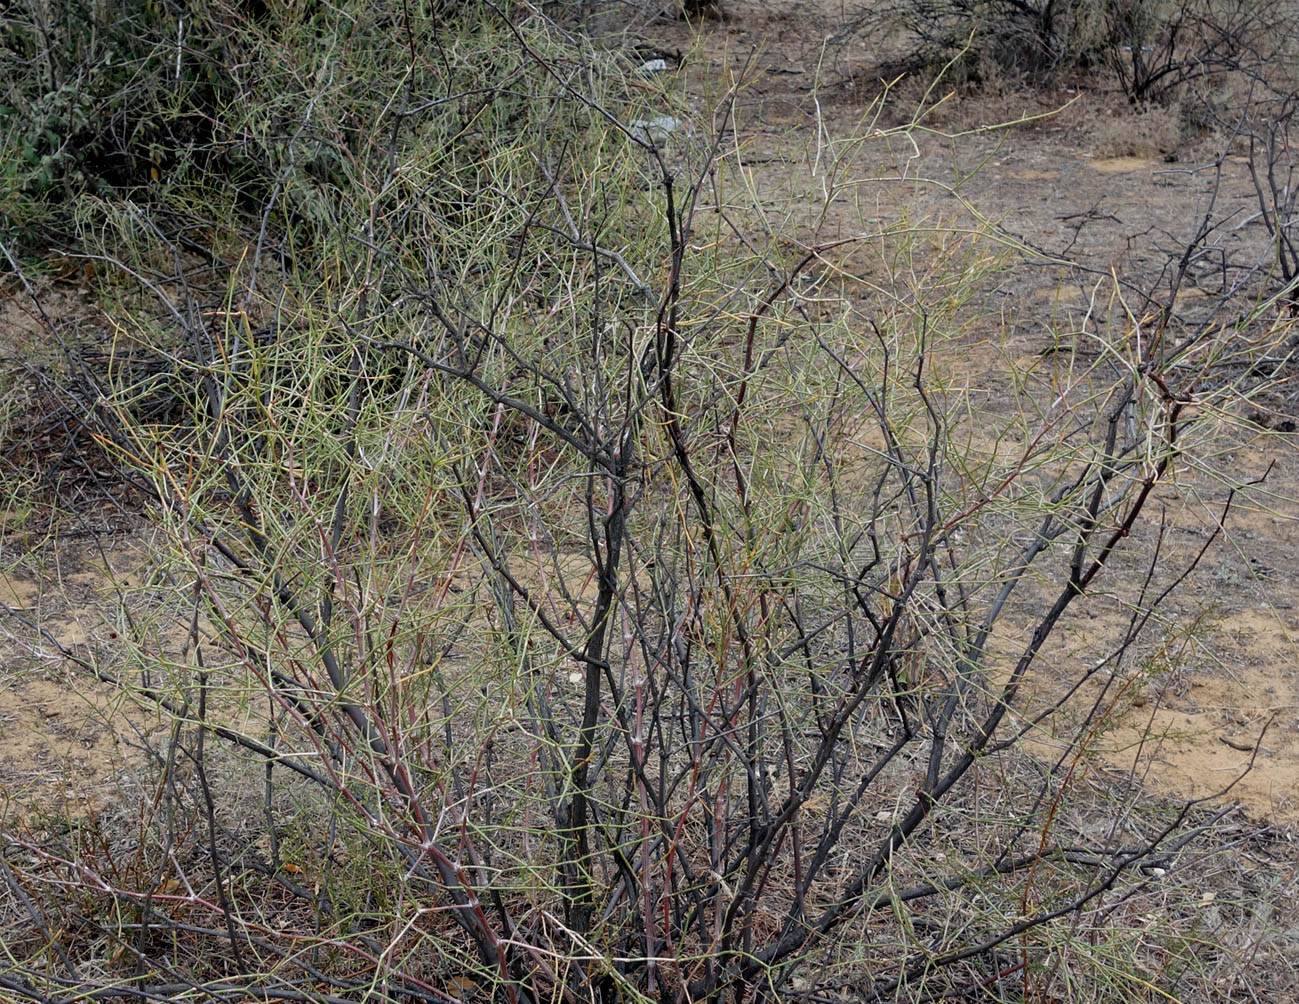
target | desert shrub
x=102, y=95
x=1153, y=48
x=1021, y=39
x=577, y=579
x=163, y=101
x=1273, y=171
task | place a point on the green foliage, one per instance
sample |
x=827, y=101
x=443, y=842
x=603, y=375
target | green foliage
x=147, y=97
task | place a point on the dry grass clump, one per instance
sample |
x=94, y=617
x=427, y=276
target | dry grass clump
x=1149, y=133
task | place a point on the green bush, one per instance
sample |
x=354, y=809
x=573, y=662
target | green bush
x=145, y=99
